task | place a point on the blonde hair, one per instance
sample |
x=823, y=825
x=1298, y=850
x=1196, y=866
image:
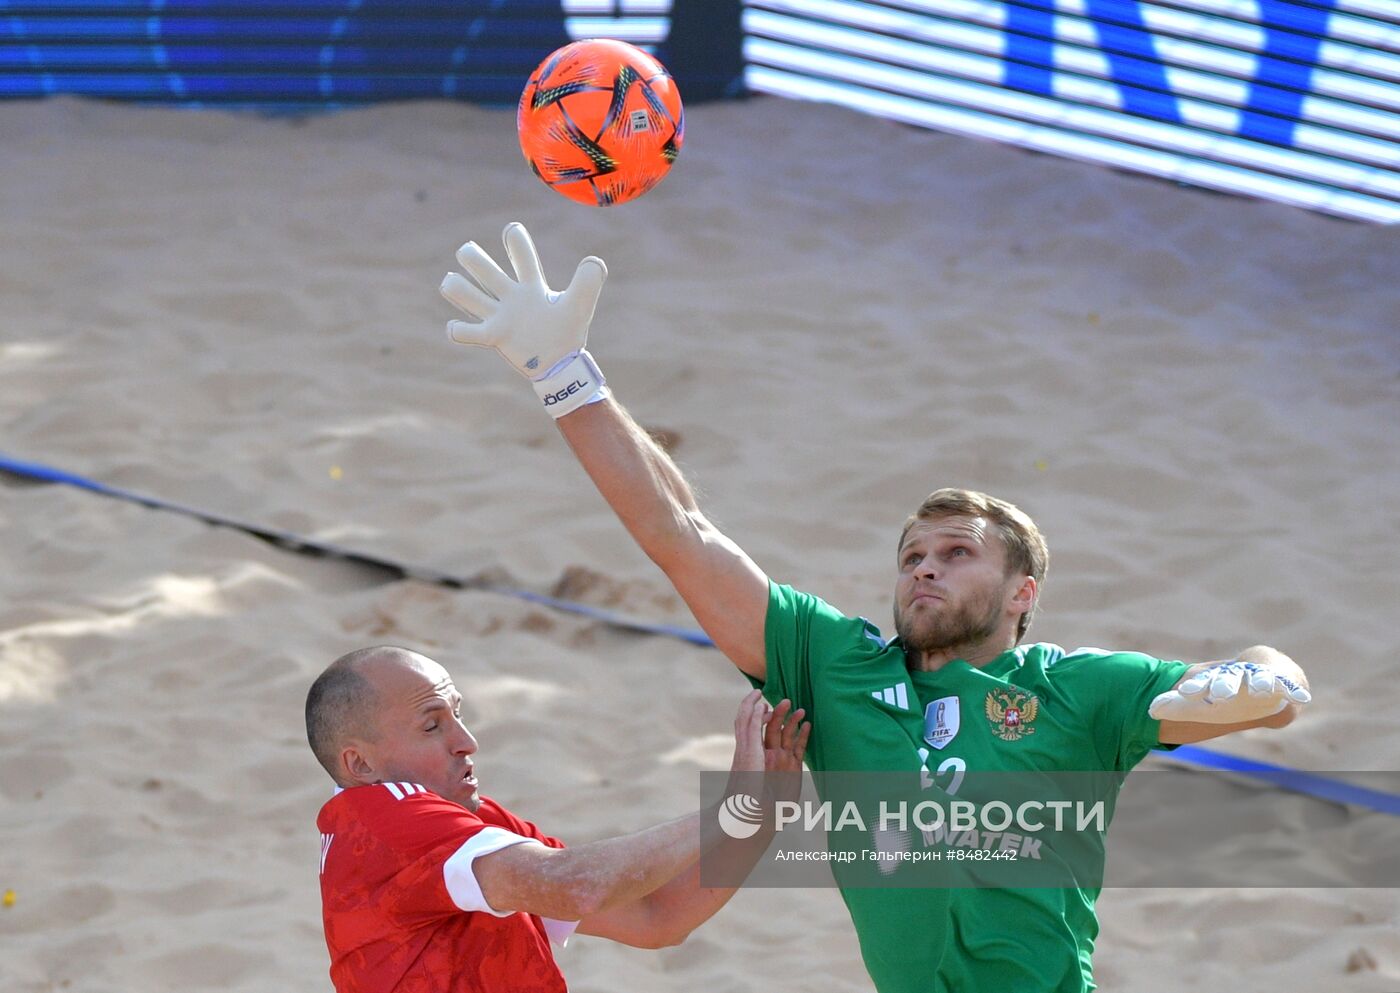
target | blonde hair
x=1026, y=552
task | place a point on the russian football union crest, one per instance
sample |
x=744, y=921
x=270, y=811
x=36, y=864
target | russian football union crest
x=1011, y=713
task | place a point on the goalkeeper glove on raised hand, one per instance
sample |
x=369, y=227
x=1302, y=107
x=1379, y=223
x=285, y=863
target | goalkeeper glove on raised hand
x=539, y=331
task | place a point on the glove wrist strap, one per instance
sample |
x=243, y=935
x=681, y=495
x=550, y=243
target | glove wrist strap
x=571, y=385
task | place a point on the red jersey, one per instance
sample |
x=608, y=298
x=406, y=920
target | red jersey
x=402, y=909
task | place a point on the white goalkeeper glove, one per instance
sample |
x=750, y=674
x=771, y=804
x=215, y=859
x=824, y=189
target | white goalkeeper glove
x=1231, y=693
x=539, y=331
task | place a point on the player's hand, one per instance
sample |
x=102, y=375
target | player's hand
x=1232, y=693
x=785, y=737
x=533, y=327
x=770, y=741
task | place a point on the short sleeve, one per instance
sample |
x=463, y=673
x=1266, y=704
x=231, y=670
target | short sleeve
x=819, y=658
x=785, y=648
x=500, y=829
x=459, y=877
x=1120, y=687
x=803, y=633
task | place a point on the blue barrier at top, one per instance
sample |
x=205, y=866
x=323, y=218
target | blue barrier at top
x=327, y=52
x=1292, y=100
x=308, y=52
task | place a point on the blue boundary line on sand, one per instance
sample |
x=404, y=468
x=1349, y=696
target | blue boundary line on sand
x=41, y=473
x=1294, y=780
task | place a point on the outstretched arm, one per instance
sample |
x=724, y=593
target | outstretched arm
x=725, y=590
x=1261, y=687
x=667, y=915
x=568, y=884
x=611, y=885
x=542, y=334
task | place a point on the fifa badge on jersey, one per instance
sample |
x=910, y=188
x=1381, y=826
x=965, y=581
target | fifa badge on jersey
x=941, y=721
x=1011, y=713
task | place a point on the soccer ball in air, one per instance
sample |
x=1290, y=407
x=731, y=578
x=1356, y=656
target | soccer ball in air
x=600, y=122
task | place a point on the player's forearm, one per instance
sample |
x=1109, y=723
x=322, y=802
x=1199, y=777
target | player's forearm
x=576, y=882
x=683, y=904
x=634, y=475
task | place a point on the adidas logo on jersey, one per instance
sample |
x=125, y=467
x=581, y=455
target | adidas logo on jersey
x=401, y=790
x=895, y=696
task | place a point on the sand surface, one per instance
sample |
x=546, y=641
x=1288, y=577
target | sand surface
x=1195, y=396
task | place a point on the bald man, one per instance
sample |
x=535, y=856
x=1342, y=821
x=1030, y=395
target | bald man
x=428, y=886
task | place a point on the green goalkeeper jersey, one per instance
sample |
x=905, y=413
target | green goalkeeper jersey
x=1035, y=708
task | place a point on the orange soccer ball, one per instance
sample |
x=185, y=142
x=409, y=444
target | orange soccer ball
x=600, y=122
